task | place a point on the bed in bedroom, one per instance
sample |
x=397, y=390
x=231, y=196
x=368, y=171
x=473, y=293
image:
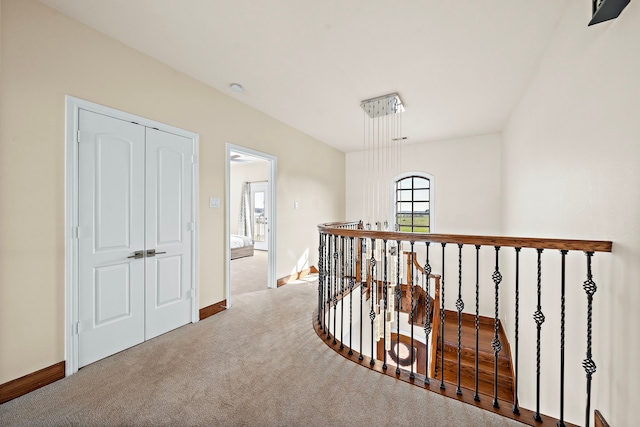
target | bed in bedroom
x=241, y=246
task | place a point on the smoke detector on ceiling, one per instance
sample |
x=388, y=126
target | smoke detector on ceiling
x=236, y=87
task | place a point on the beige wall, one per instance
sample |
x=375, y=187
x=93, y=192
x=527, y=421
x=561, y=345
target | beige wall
x=45, y=56
x=467, y=182
x=571, y=168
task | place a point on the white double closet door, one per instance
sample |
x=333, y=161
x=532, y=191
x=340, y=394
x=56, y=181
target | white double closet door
x=135, y=232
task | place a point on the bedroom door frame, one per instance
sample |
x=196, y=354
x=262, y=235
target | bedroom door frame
x=272, y=214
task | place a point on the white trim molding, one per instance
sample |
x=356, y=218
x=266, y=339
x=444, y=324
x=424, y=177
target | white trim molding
x=72, y=107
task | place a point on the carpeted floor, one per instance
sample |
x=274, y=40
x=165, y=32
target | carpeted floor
x=259, y=363
x=249, y=274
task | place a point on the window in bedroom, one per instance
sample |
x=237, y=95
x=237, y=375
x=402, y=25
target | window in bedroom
x=413, y=202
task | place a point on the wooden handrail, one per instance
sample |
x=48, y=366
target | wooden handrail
x=514, y=242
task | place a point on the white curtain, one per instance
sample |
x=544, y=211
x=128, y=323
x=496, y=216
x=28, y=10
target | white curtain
x=244, y=220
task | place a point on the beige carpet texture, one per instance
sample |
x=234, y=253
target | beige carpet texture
x=260, y=363
x=249, y=274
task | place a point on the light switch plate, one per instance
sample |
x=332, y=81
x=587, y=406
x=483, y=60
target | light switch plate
x=214, y=202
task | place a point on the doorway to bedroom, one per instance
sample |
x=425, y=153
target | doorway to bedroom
x=250, y=221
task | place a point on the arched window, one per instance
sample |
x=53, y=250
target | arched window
x=413, y=202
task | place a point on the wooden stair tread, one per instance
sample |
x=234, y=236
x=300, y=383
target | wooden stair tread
x=485, y=388
x=468, y=340
x=485, y=378
x=468, y=369
x=485, y=370
x=486, y=358
x=468, y=336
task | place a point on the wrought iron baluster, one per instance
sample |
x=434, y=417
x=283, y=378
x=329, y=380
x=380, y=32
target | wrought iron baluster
x=351, y=285
x=398, y=302
x=341, y=292
x=538, y=316
x=476, y=396
x=412, y=375
x=588, y=364
x=459, y=307
x=496, y=344
x=515, y=408
x=374, y=284
x=562, y=331
x=383, y=308
x=427, y=315
x=361, y=240
x=320, y=280
x=329, y=284
x=335, y=287
x=337, y=279
x=442, y=386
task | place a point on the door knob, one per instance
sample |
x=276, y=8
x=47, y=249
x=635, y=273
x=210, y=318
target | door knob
x=152, y=252
x=137, y=254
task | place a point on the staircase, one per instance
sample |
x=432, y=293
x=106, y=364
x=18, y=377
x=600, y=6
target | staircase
x=486, y=331
x=467, y=355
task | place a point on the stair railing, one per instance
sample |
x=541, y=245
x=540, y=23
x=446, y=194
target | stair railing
x=361, y=271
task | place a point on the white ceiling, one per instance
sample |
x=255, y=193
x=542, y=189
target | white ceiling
x=460, y=66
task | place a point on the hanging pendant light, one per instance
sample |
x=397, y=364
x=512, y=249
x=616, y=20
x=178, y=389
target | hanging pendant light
x=382, y=130
x=381, y=145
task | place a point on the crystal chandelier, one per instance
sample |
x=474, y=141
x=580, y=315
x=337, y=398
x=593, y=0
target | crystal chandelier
x=381, y=146
x=382, y=156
